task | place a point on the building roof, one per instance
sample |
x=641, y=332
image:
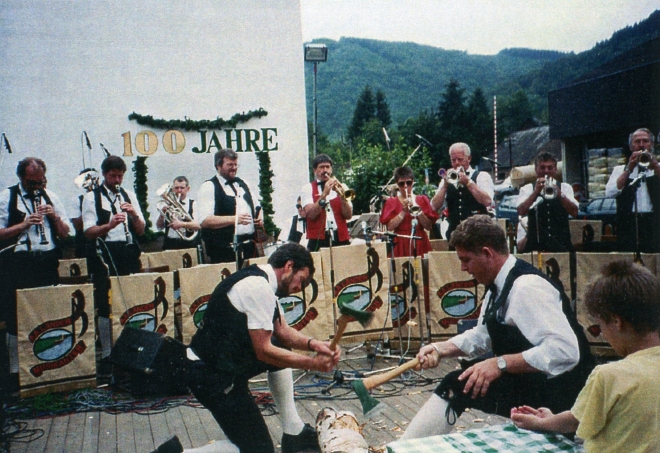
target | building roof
x=525, y=145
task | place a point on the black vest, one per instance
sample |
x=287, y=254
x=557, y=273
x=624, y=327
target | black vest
x=15, y=216
x=224, y=206
x=507, y=339
x=625, y=213
x=223, y=340
x=461, y=204
x=103, y=216
x=548, y=228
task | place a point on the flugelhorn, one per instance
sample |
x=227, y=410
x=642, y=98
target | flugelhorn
x=346, y=194
x=413, y=207
x=644, y=160
x=550, y=190
x=453, y=177
x=172, y=209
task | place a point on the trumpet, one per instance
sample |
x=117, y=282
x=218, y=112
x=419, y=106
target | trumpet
x=346, y=194
x=413, y=207
x=453, y=177
x=550, y=190
x=36, y=202
x=173, y=210
x=644, y=160
x=129, y=236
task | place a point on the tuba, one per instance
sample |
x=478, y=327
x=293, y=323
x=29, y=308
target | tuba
x=173, y=210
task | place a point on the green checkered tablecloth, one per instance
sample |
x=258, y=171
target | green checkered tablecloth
x=494, y=439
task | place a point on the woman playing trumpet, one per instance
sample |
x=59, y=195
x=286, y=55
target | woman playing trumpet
x=400, y=212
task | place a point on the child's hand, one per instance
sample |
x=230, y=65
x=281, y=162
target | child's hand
x=529, y=418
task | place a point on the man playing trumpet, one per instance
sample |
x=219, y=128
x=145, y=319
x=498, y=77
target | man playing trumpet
x=547, y=205
x=177, y=227
x=325, y=209
x=637, y=191
x=469, y=194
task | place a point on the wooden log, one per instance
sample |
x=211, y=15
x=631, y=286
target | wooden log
x=339, y=432
x=527, y=174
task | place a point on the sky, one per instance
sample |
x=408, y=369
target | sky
x=481, y=27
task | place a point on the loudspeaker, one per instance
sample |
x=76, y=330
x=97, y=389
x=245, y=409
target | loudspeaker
x=153, y=363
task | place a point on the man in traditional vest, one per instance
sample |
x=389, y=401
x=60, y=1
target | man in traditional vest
x=325, y=210
x=469, y=194
x=541, y=355
x=547, y=208
x=32, y=220
x=173, y=240
x=226, y=212
x=636, y=187
x=112, y=218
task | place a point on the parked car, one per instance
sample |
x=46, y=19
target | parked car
x=507, y=208
x=600, y=209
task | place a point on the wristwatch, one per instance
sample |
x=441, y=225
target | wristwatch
x=501, y=364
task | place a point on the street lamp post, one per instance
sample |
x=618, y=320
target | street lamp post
x=315, y=53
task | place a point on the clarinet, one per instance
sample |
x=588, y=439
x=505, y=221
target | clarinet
x=129, y=237
x=36, y=202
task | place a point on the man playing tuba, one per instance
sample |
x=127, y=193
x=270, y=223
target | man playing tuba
x=180, y=227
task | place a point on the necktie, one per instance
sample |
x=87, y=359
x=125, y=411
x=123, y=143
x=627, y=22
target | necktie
x=231, y=184
x=491, y=308
x=321, y=185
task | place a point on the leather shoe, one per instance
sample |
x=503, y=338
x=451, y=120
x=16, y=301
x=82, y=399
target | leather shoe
x=305, y=441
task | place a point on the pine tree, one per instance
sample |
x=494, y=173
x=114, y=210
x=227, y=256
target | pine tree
x=383, y=109
x=365, y=109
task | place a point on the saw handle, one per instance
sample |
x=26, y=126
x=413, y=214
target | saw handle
x=379, y=379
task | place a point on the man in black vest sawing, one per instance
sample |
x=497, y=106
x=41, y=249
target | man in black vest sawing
x=547, y=208
x=469, y=194
x=226, y=212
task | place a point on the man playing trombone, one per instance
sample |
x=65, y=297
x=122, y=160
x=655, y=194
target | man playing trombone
x=327, y=205
x=179, y=232
x=404, y=212
x=547, y=205
x=467, y=191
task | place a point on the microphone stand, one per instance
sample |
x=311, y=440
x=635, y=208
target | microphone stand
x=636, y=184
x=416, y=282
x=328, y=232
x=390, y=245
x=235, y=243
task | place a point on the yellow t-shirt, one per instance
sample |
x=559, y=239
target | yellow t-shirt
x=619, y=406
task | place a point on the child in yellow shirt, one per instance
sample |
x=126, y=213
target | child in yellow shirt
x=618, y=409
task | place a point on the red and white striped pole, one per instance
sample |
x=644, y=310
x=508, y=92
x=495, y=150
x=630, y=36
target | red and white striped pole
x=495, y=138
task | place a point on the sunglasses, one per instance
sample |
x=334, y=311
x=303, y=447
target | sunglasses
x=404, y=183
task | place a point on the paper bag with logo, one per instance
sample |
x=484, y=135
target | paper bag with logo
x=360, y=281
x=453, y=294
x=407, y=295
x=75, y=267
x=143, y=301
x=195, y=288
x=56, y=339
x=557, y=266
x=587, y=269
x=175, y=259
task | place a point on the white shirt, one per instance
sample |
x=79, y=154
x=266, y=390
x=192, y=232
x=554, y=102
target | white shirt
x=534, y=306
x=24, y=204
x=256, y=297
x=484, y=182
x=528, y=189
x=643, y=197
x=118, y=233
x=205, y=205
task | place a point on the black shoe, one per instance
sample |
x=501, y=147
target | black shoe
x=306, y=440
x=171, y=446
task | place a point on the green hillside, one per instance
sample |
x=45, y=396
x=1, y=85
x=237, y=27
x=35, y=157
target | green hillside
x=413, y=76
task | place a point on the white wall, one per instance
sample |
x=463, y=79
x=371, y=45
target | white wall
x=79, y=65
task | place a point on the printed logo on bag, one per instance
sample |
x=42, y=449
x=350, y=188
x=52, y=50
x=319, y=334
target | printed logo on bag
x=296, y=311
x=149, y=316
x=403, y=296
x=354, y=293
x=54, y=342
x=458, y=301
x=198, y=307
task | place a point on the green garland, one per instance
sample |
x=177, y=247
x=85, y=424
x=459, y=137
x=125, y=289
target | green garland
x=140, y=171
x=266, y=189
x=193, y=125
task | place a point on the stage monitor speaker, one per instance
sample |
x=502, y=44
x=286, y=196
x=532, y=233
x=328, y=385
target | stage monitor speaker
x=154, y=364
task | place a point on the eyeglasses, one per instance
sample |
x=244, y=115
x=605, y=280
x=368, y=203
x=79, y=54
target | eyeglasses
x=404, y=183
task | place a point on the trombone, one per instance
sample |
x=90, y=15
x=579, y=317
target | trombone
x=172, y=209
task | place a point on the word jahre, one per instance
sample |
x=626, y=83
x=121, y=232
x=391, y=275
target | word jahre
x=174, y=141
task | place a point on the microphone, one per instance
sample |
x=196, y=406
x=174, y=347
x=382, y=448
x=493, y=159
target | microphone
x=490, y=160
x=105, y=150
x=365, y=233
x=87, y=142
x=414, y=225
x=425, y=141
